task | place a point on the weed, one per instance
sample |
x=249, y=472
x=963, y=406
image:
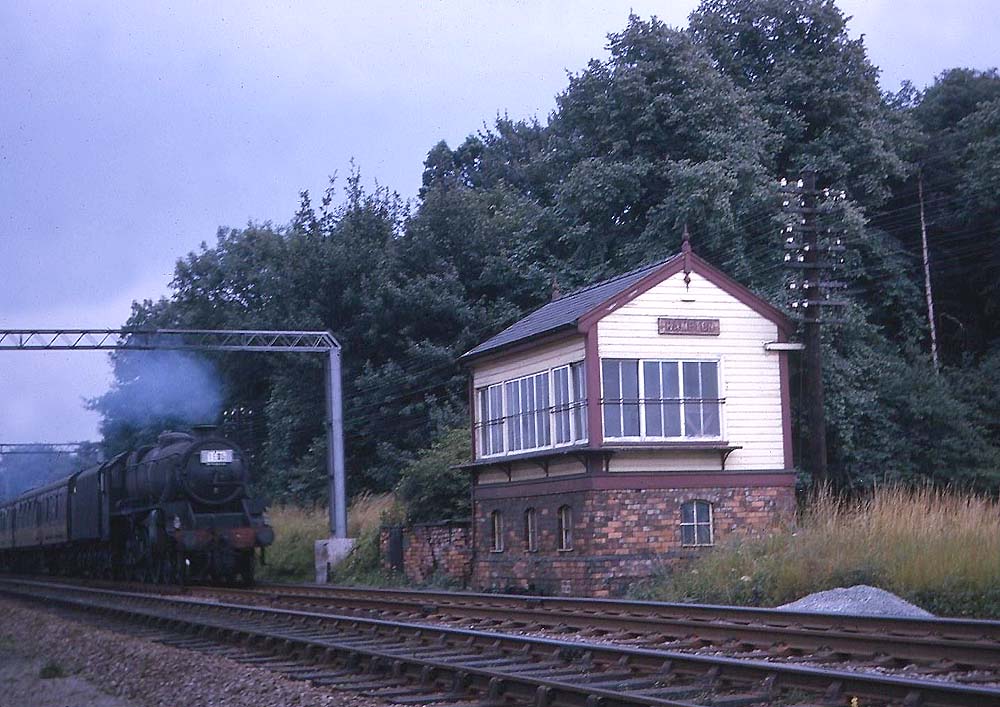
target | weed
x=51, y=670
x=940, y=549
x=292, y=556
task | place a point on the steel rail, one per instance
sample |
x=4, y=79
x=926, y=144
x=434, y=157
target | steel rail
x=897, y=624
x=974, y=643
x=539, y=670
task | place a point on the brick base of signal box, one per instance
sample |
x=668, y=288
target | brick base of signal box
x=620, y=536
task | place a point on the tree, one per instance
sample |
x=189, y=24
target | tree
x=674, y=127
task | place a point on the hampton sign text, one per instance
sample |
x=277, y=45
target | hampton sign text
x=688, y=327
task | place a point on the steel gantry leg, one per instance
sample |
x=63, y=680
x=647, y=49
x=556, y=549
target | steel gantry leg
x=335, y=445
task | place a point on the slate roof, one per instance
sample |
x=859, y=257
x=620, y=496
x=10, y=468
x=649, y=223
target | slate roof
x=563, y=312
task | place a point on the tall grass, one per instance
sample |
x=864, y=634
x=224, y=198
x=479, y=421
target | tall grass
x=940, y=549
x=296, y=529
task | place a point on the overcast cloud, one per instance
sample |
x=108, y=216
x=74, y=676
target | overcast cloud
x=130, y=132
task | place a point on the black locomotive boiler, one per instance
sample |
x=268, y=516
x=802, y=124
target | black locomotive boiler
x=175, y=511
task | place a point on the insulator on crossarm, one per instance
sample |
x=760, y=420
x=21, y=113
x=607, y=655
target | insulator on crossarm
x=785, y=203
x=800, y=184
x=790, y=240
x=802, y=258
x=795, y=305
x=791, y=285
x=784, y=182
x=788, y=257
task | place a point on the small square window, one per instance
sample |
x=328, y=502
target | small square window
x=696, y=524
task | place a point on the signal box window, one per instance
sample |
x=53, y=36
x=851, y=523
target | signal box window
x=696, y=523
x=531, y=530
x=565, y=537
x=496, y=524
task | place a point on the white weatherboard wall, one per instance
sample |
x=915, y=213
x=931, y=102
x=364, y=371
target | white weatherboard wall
x=533, y=360
x=751, y=383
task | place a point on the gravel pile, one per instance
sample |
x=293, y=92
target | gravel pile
x=859, y=600
x=152, y=675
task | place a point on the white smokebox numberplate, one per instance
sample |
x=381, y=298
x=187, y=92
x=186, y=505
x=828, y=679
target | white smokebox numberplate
x=217, y=456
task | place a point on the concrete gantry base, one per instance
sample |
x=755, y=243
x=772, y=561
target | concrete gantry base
x=329, y=553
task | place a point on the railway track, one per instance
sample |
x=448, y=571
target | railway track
x=418, y=663
x=936, y=645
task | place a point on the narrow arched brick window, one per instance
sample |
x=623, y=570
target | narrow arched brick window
x=565, y=536
x=696, y=524
x=530, y=530
x=496, y=526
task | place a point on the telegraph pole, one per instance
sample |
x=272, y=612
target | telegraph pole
x=927, y=273
x=808, y=257
x=815, y=416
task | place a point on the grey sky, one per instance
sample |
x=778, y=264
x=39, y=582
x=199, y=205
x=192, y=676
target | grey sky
x=130, y=131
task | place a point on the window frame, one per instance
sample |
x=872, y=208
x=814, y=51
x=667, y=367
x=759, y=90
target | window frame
x=679, y=362
x=496, y=531
x=534, y=416
x=531, y=529
x=487, y=423
x=564, y=528
x=576, y=410
x=694, y=524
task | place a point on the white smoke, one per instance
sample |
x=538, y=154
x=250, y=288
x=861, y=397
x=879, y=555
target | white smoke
x=158, y=385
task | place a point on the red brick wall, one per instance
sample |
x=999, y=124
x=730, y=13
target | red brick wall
x=619, y=536
x=433, y=550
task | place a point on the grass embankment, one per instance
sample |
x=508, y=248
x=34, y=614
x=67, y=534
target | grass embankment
x=291, y=557
x=938, y=549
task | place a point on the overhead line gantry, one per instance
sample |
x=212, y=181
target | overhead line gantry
x=264, y=341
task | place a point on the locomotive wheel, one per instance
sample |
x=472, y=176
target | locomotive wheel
x=245, y=567
x=155, y=572
x=168, y=568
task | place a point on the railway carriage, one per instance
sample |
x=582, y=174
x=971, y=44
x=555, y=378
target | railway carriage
x=6, y=528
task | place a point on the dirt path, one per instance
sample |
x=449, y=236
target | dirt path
x=22, y=684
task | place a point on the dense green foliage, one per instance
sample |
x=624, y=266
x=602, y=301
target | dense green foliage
x=674, y=127
x=431, y=487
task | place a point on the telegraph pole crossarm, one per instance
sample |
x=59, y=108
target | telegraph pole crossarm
x=808, y=258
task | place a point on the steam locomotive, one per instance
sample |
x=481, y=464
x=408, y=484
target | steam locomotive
x=171, y=512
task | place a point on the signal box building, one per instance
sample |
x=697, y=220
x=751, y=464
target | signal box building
x=633, y=423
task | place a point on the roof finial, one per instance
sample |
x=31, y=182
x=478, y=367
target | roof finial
x=686, y=253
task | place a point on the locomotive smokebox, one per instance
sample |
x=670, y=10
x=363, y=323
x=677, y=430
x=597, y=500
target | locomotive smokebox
x=198, y=466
